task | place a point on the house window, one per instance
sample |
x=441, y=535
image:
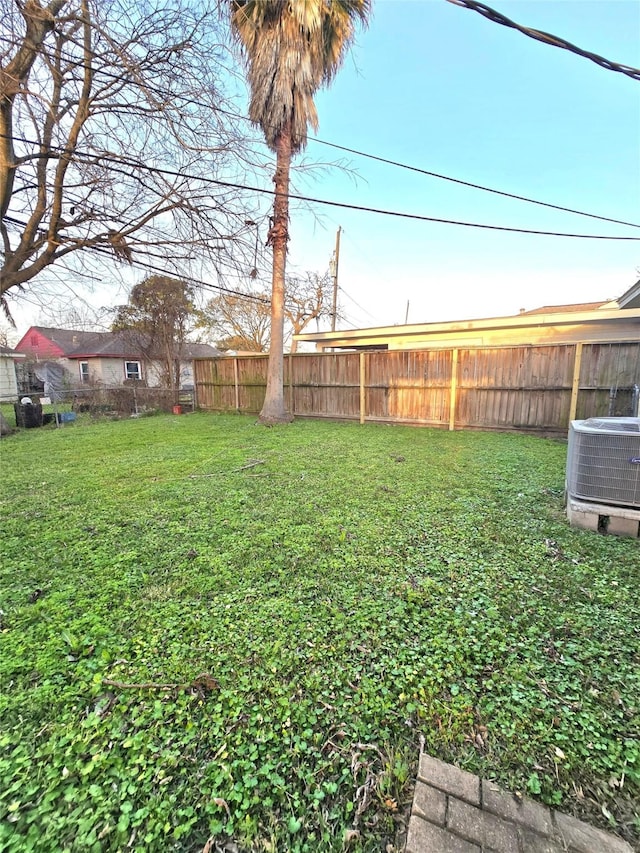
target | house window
x=132, y=370
x=84, y=371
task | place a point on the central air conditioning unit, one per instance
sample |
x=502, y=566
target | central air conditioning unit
x=603, y=461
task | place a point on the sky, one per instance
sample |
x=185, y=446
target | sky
x=438, y=87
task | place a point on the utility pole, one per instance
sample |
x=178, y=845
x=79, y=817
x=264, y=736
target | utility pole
x=333, y=268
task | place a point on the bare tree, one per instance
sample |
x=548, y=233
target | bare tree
x=75, y=313
x=244, y=322
x=238, y=322
x=112, y=125
x=306, y=299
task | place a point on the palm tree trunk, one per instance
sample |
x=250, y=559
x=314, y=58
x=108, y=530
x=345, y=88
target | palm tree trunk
x=273, y=409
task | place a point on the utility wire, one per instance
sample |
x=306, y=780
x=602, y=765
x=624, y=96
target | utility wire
x=547, y=38
x=344, y=205
x=153, y=89
x=474, y=186
x=102, y=250
x=357, y=304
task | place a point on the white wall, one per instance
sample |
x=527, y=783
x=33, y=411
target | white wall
x=8, y=384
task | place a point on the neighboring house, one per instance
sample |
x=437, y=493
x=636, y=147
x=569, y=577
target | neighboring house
x=104, y=358
x=8, y=381
x=631, y=297
x=591, y=322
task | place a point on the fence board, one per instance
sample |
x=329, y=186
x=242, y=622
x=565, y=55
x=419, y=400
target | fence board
x=523, y=388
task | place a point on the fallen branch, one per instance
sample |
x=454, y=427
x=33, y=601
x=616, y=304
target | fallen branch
x=251, y=464
x=201, y=683
x=146, y=685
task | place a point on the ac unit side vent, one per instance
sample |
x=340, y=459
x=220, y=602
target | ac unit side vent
x=603, y=462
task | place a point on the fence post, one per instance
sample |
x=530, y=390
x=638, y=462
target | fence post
x=363, y=393
x=194, y=395
x=289, y=370
x=575, y=385
x=235, y=383
x=453, y=392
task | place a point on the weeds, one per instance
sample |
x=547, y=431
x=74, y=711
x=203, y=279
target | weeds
x=216, y=633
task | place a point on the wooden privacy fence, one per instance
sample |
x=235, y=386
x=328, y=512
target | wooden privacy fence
x=539, y=388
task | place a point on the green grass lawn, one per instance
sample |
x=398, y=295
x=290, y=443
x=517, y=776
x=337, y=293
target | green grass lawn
x=194, y=646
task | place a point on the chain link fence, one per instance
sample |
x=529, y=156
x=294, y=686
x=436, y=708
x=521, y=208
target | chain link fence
x=123, y=401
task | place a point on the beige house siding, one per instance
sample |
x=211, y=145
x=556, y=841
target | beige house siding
x=152, y=373
x=600, y=326
x=605, y=333
x=111, y=371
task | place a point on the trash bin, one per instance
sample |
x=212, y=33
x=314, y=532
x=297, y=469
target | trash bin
x=28, y=415
x=66, y=417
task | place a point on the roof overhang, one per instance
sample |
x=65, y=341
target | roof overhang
x=356, y=337
x=86, y=355
x=631, y=297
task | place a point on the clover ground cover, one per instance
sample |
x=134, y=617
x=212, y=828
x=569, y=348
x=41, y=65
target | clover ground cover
x=218, y=633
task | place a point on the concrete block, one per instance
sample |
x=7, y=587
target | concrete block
x=481, y=827
x=619, y=526
x=583, y=519
x=617, y=520
x=450, y=779
x=582, y=838
x=424, y=837
x=522, y=810
x=430, y=803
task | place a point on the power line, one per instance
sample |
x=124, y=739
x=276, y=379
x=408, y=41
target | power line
x=344, y=205
x=357, y=304
x=102, y=250
x=475, y=186
x=547, y=38
x=469, y=4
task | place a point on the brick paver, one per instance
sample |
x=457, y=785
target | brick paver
x=450, y=779
x=583, y=838
x=517, y=809
x=456, y=812
x=430, y=804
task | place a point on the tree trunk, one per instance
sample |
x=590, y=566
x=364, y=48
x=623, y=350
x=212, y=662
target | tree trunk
x=273, y=410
